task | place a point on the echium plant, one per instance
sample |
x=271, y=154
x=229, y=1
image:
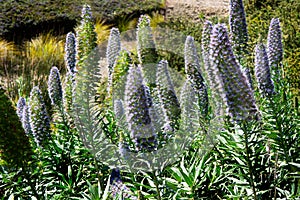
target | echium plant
x=55, y=88
x=20, y=107
x=194, y=74
x=146, y=49
x=205, y=40
x=86, y=37
x=239, y=34
x=238, y=28
x=26, y=120
x=167, y=95
x=112, y=51
x=274, y=47
x=262, y=71
x=238, y=95
x=70, y=52
x=39, y=119
x=137, y=111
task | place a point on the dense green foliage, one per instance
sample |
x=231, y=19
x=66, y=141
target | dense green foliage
x=251, y=149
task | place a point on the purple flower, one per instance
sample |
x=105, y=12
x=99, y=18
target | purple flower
x=193, y=71
x=55, y=88
x=70, y=52
x=167, y=95
x=274, y=46
x=20, y=107
x=39, y=119
x=262, y=71
x=236, y=91
x=137, y=110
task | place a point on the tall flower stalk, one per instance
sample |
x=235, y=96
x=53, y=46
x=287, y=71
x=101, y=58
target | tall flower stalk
x=167, y=95
x=39, y=119
x=55, y=88
x=262, y=71
x=237, y=93
x=274, y=47
x=194, y=74
x=137, y=111
x=70, y=52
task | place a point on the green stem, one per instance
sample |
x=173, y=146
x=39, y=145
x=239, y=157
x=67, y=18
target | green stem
x=156, y=186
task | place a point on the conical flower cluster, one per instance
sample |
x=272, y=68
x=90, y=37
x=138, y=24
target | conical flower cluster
x=274, y=46
x=39, y=119
x=70, y=52
x=26, y=120
x=262, y=71
x=113, y=49
x=86, y=37
x=166, y=93
x=137, y=110
x=146, y=49
x=238, y=27
x=20, y=107
x=238, y=96
x=193, y=71
x=55, y=88
x=207, y=28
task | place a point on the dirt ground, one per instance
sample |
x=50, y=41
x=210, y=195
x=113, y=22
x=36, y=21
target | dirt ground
x=192, y=8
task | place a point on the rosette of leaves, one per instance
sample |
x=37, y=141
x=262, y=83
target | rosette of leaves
x=193, y=72
x=167, y=95
x=262, y=71
x=54, y=88
x=15, y=149
x=70, y=52
x=112, y=51
x=39, y=119
x=137, y=111
x=237, y=93
x=274, y=47
x=86, y=37
x=146, y=49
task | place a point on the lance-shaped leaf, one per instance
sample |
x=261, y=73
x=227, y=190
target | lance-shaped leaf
x=55, y=88
x=39, y=119
x=137, y=110
x=262, y=71
x=193, y=71
x=238, y=95
x=70, y=52
x=167, y=95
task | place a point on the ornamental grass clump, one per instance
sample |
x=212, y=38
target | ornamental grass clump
x=137, y=111
x=39, y=119
x=238, y=96
x=194, y=74
x=274, y=47
x=262, y=71
x=55, y=88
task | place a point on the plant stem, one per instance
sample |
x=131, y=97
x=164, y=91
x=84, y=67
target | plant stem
x=249, y=160
x=156, y=186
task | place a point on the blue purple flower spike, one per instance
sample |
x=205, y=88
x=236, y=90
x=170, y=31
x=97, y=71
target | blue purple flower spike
x=194, y=74
x=55, y=88
x=238, y=27
x=237, y=94
x=262, y=71
x=20, y=107
x=39, y=119
x=274, y=46
x=137, y=111
x=70, y=52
